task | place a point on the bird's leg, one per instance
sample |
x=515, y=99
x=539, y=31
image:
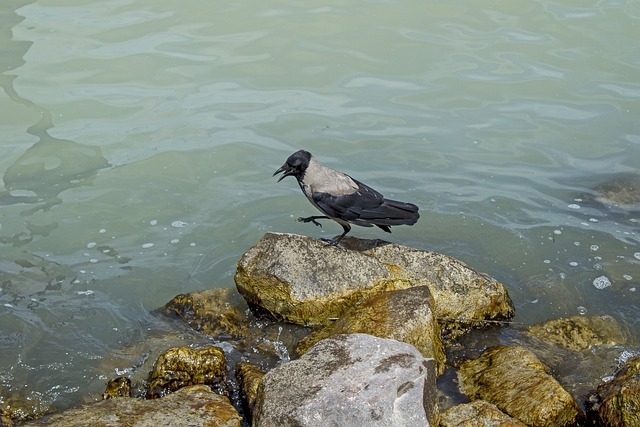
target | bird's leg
x=313, y=219
x=334, y=242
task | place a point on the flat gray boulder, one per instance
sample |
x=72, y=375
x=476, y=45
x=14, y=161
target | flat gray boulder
x=350, y=380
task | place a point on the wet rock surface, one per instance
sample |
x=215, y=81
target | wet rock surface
x=249, y=376
x=579, y=333
x=190, y=406
x=180, y=367
x=478, y=413
x=617, y=402
x=403, y=315
x=304, y=280
x=350, y=380
x=117, y=387
x=514, y=379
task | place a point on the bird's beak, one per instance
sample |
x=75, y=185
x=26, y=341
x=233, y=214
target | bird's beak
x=286, y=169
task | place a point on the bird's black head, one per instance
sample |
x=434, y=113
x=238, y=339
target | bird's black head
x=295, y=165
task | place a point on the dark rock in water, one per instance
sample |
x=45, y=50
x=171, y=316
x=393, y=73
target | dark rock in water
x=579, y=333
x=215, y=312
x=305, y=281
x=180, y=367
x=620, y=191
x=403, y=315
x=249, y=376
x=193, y=406
x=350, y=380
x=617, y=402
x=513, y=379
x=118, y=387
x=478, y=413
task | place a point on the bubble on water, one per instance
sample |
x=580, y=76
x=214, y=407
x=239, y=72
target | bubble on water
x=547, y=261
x=8, y=305
x=597, y=267
x=607, y=378
x=93, y=261
x=594, y=247
x=576, y=243
x=153, y=222
x=192, y=244
x=91, y=245
x=178, y=224
x=582, y=310
x=573, y=206
x=632, y=289
x=636, y=255
x=87, y=292
x=627, y=277
x=593, y=220
x=174, y=241
x=83, y=271
x=102, y=231
x=147, y=245
x=573, y=264
x=601, y=282
x=577, y=200
x=557, y=231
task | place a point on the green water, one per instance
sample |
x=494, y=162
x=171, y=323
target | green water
x=138, y=140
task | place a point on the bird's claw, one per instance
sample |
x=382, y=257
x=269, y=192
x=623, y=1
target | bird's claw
x=309, y=219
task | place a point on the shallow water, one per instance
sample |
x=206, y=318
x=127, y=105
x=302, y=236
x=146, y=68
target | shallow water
x=139, y=140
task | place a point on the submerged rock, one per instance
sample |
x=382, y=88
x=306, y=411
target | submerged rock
x=620, y=191
x=190, y=406
x=303, y=280
x=180, y=367
x=215, y=312
x=617, y=402
x=403, y=315
x=580, y=333
x=513, y=379
x=350, y=380
x=478, y=413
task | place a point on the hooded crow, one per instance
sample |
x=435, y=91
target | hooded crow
x=344, y=199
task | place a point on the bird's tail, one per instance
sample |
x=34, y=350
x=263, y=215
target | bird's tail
x=391, y=212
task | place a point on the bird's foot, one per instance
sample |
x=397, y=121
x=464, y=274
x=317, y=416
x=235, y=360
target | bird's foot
x=332, y=242
x=310, y=219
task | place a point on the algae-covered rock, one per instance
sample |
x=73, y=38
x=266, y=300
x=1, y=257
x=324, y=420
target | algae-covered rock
x=478, y=413
x=194, y=406
x=303, y=280
x=513, y=379
x=352, y=380
x=580, y=333
x=180, y=367
x=215, y=312
x=403, y=315
x=249, y=376
x=617, y=402
x=118, y=387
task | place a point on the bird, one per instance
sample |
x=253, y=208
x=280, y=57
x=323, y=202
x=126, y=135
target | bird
x=344, y=199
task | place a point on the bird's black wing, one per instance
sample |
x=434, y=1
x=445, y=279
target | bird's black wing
x=366, y=207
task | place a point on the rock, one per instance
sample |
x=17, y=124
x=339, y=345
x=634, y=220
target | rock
x=404, y=315
x=215, y=312
x=620, y=191
x=180, y=367
x=350, y=380
x=249, y=376
x=580, y=333
x=617, y=402
x=478, y=413
x=118, y=387
x=513, y=379
x=305, y=281
x=190, y=406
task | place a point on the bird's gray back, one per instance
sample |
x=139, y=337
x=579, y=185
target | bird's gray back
x=321, y=179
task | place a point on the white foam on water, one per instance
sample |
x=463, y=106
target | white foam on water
x=147, y=245
x=601, y=282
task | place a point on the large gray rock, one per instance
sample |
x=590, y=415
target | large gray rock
x=350, y=380
x=303, y=280
x=190, y=406
x=513, y=379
